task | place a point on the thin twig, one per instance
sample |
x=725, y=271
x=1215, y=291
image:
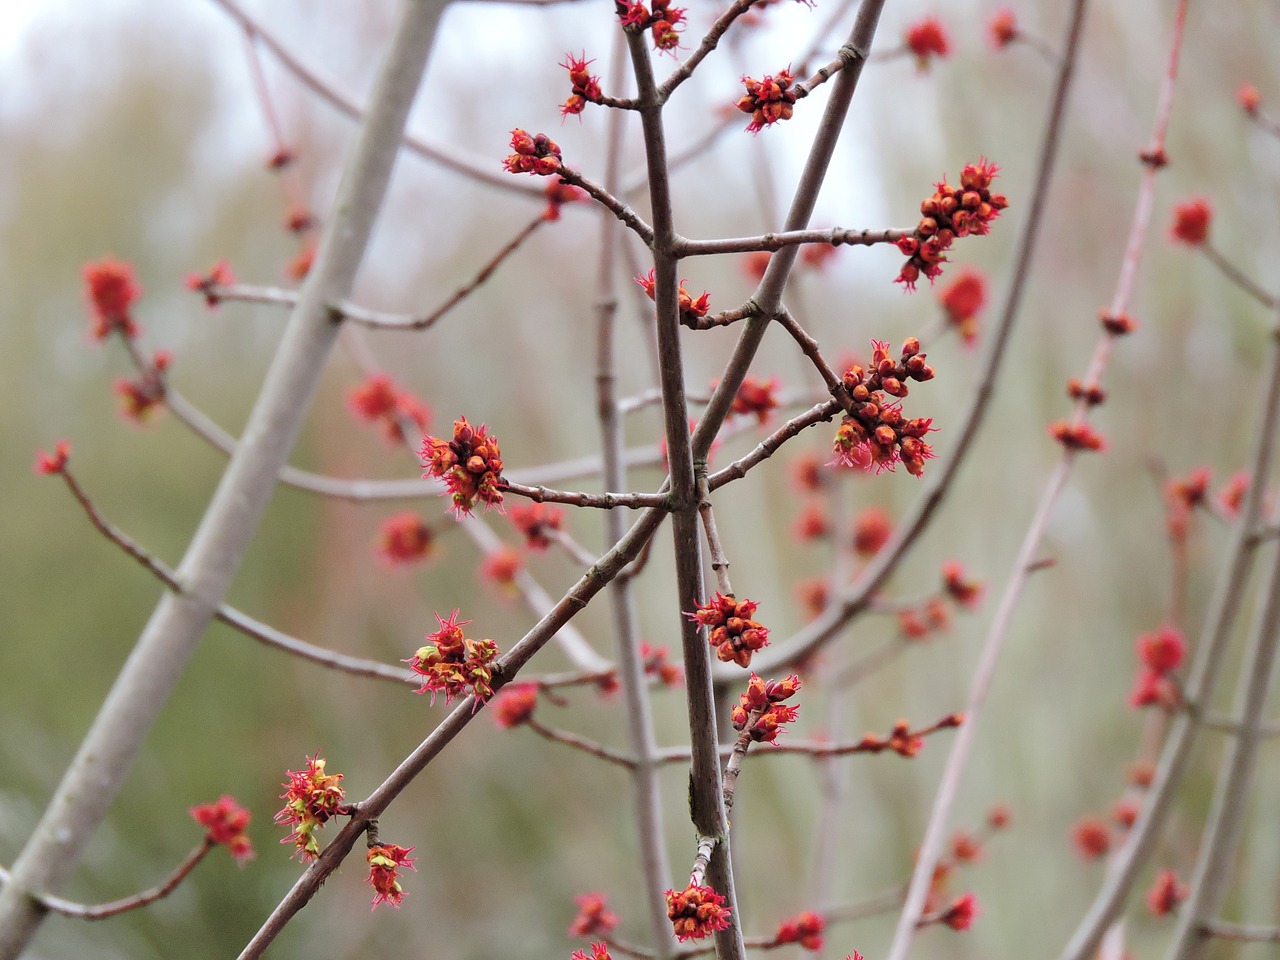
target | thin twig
x=1237, y=276
x=602, y=501
x=1240, y=932
x=834, y=236
x=582, y=743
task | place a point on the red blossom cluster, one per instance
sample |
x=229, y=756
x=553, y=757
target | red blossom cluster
x=219, y=275
x=950, y=213
x=1166, y=893
x=586, y=88
x=965, y=847
x=962, y=912
x=225, y=823
x=657, y=664
x=594, y=918
x=904, y=741
x=878, y=436
x=56, y=462
x=696, y=912
x=757, y=398
x=961, y=298
x=514, y=704
x=111, y=292
x=1160, y=652
x=385, y=859
x=1002, y=28
x=454, y=665
x=1077, y=436
x=1249, y=98
x=730, y=628
x=1181, y=496
x=500, y=566
x=311, y=797
x=535, y=154
x=1091, y=837
x=664, y=22
x=138, y=398
x=761, y=712
x=916, y=623
x=926, y=39
x=599, y=951
x=804, y=928
x=380, y=400
x=470, y=465
x=813, y=522
x=691, y=310
x=405, y=538
x=959, y=587
x=537, y=521
x=871, y=530
x=1191, y=220
x=769, y=99
x=558, y=193
x=1231, y=495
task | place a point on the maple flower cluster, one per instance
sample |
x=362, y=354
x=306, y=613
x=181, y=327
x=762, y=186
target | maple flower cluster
x=657, y=664
x=1166, y=893
x=769, y=99
x=730, y=628
x=804, y=928
x=927, y=39
x=950, y=213
x=586, y=88
x=878, y=436
x=961, y=299
x=452, y=664
x=470, y=465
x=111, y=291
x=385, y=859
x=599, y=951
x=761, y=712
x=664, y=22
x=535, y=154
x=696, y=912
x=380, y=400
x=514, y=704
x=538, y=522
x=140, y=397
x=311, y=797
x=1160, y=652
x=405, y=538
x=594, y=916
x=225, y=823
x=1191, y=220
x=691, y=310
x=219, y=275
x=756, y=397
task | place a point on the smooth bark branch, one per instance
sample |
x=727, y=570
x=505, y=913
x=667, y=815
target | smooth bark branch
x=153, y=668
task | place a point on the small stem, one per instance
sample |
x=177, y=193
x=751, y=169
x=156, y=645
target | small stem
x=583, y=744
x=602, y=501
x=1237, y=276
x=834, y=236
x=719, y=561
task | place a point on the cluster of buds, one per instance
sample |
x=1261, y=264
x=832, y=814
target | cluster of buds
x=558, y=193
x=696, y=912
x=514, y=704
x=225, y=823
x=769, y=99
x=664, y=22
x=538, y=522
x=657, y=664
x=138, y=398
x=1002, y=28
x=804, y=928
x=950, y=213
x=1166, y=893
x=916, y=623
x=454, y=665
x=599, y=951
x=1078, y=437
x=927, y=39
x=219, y=275
x=385, y=859
x=1181, y=496
x=730, y=628
x=111, y=292
x=878, y=436
x=470, y=465
x=311, y=797
x=904, y=741
x=586, y=88
x=756, y=397
x=594, y=918
x=760, y=711
x=405, y=538
x=1161, y=652
x=535, y=154
x=49, y=464
x=961, y=299
x=691, y=310
x=1191, y=220
x=379, y=400
x=1091, y=836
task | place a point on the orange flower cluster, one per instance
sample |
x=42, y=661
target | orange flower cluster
x=111, y=291
x=225, y=823
x=696, y=912
x=878, y=436
x=311, y=797
x=537, y=521
x=454, y=665
x=768, y=99
x=405, y=538
x=691, y=310
x=586, y=88
x=384, y=861
x=470, y=465
x=926, y=39
x=535, y=154
x=664, y=22
x=594, y=916
x=763, y=701
x=950, y=213
x=804, y=928
x=657, y=664
x=730, y=628
x=380, y=400
x=756, y=397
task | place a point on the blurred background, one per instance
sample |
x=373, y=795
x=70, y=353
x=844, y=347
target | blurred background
x=133, y=130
